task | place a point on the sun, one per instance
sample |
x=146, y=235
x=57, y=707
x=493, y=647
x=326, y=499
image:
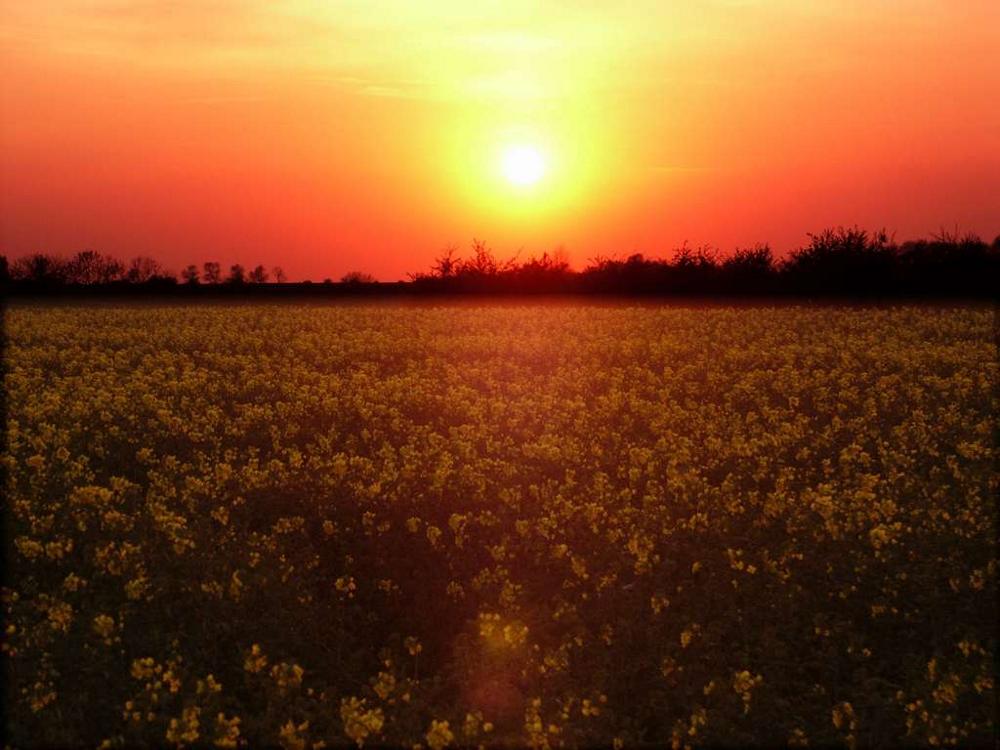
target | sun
x=523, y=164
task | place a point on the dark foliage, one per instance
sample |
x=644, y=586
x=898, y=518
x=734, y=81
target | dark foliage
x=39, y=268
x=90, y=267
x=237, y=274
x=212, y=272
x=843, y=259
x=950, y=264
x=841, y=262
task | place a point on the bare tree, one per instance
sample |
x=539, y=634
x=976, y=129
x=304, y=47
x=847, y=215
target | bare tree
x=142, y=269
x=447, y=264
x=190, y=274
x=258, y=275
x=279, y=275
x=90, y=267
x=39, y=268
x=484, y=263
x=237, y=274
x=212, y=272
x=554, y=263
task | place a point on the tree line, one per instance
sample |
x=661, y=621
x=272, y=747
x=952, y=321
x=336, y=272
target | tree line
x=840, y=261
x=834, y=262
x=89, y=268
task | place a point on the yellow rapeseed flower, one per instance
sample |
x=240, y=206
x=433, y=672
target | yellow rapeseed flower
x=439, y=735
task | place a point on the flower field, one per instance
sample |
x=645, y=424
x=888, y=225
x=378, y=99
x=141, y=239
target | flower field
x=538, y=525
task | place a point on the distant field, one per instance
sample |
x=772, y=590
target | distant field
x=538, y=525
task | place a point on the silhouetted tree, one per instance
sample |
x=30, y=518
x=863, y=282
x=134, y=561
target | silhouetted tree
x=39, y=268
x=447, y=264
x=842, y=261
x=479, y=272
x=90, y=267
x=546, y=264
x=634, y=274
x=548, y=273
x=949, y=263
x=700, y=257
x=692, y=271
x=755, y=260
x=750, y=270
x=237, y=275
x=212, y=272
x=834, y=262
x=484, y=262
x=143, y=269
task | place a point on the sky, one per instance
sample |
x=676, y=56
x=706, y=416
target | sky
x=369, y=135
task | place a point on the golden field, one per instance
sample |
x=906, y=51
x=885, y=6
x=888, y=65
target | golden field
x=518, y=525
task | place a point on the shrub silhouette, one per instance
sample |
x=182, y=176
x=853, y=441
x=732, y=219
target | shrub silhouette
x=356, y=278
x=546, y=273
x=635, y=274
x=950, y=263
x=749, y=269
x=484, y=272
x=842, y=260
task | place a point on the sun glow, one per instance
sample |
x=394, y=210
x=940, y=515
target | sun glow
x=517, y=180
x=523, y=164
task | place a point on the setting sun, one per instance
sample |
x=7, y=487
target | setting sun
x=523, y=165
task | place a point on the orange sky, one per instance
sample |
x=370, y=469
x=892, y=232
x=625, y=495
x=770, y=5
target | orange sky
x=331, y=136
